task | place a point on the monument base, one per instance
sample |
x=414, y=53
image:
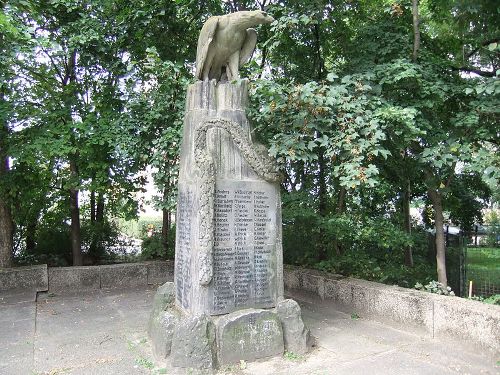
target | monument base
x=209, y=342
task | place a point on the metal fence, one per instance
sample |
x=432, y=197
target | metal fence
x=482, y=271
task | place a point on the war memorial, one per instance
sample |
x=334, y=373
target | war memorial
x=226, y=303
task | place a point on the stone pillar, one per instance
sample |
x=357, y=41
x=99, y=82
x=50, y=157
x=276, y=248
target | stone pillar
x=229, y=255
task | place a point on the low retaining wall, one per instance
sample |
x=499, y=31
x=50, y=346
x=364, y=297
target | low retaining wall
x=33, y=278
x=440, y=316
x=68, y=279
x=75, y=279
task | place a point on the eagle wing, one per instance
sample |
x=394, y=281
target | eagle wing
x=206, y=36
x=248, y=46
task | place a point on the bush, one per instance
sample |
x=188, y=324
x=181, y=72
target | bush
x=435, y=287
x=152, y=247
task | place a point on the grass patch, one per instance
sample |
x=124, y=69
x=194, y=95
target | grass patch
x=290, y=356
x=483, y=258
x=144, y=362
x=483, y=267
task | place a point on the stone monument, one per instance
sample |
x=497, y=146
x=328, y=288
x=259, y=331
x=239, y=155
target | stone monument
x=226, y=303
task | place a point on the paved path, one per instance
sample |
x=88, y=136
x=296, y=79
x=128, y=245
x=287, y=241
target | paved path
x=105, y=333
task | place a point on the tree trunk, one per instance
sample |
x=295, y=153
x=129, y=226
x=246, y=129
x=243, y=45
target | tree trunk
x=6, y=224
x=30, y=235
x=99, y=213
x=76, y=242
x=165, y=228
x=322, y=205
x=165, y=231
x=437, y=203
x=6, y=232
x=407, y=224
x=416, y=30
x=339, y=210
x=92, y=206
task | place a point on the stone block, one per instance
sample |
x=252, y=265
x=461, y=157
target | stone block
x=296, y=335
x=161, y=331
x=164, y=298
x=160, y=272
x=32, y=278
x=193, y=343
x=123, y=275
x=248, y=335
x=74, y=279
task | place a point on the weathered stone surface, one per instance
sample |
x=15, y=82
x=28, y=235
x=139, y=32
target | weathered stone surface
x=123, y=275
x=228, y=237
x=461, y=318
x=296, y=335
x=32, y=278
x=160, y=272
x=193, y=343
x=74, y=279
x=164, y=298
x=161, y=331
x=227, y=41
x=248, y=335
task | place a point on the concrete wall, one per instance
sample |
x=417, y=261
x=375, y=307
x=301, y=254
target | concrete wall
x=76, y=279
x=440, y=316
x=33, y=278
x=71, y=279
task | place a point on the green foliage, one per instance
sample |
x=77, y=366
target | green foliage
x=435, y=287
x=152, y=245
x=493, y=300
x=92, y=93
x=144, y=362
x=493, y=221
x=290, y=356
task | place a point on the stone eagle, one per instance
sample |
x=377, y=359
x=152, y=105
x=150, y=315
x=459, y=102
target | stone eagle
x=227, y=41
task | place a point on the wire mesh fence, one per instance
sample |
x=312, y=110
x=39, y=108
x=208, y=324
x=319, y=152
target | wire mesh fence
x=482, y=271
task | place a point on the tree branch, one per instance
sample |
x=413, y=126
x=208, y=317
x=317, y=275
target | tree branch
x=416, y=30
x=484, y=43
x=479, y=72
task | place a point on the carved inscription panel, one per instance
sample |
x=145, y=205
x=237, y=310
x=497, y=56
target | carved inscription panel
x=184, y=244
x=245, y=246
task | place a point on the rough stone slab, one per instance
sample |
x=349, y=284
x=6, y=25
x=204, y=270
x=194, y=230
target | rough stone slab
x=123, y=275
x=160, y=272
x=470, y=320
x=193, y=343
x=296, y=335
x=161, y=331
x=248, y=335
x=32, y=277
x=164, y=298
x=74, y=279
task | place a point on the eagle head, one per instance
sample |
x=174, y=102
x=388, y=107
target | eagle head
x=254, y=17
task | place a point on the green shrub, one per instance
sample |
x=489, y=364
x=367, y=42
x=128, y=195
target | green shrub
x=435, y=287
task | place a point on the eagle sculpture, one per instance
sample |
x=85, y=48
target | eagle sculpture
x=227, y=41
